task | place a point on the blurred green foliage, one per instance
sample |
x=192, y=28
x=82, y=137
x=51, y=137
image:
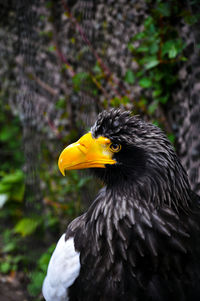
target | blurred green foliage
x=21, y=228
x=10, y=139
x=157, y=50
x=38, y=274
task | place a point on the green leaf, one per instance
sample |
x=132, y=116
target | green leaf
x=51, y=48
x=27, y=226
x=52, y=221
x=167, y=46
x=35, y=285
x=148, y=59
x=148, y=21
x=158, y=75
x=15, y=177
x=172, y=52
x=145, y=82
x=129, y=77
x=5, y=187
x=17, y=193
x=171, y=138
x=152, y=29
x=5, y=267
x=155, y=122
x=79, y=79
x=11, y=246
x=139, y=73
x=157, y=92
x=142, y=49
x=13, y=185
x=152, y=64
x=94, y=92
x=97, y=69
x=18, y=258
x=125, y=100
x=131, y=47
x=115, y=102
x=164, y=9
x=61, y=103
x=184, y=59
x=172, y=48
x=152, y=107
x=154, y=48
x=6, y=133
x=163, y=99
x=139, y=36
x=42, y=17
x=3, y=198
x=44, y=259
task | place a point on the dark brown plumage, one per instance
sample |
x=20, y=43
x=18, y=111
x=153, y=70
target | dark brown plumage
x=140, y=238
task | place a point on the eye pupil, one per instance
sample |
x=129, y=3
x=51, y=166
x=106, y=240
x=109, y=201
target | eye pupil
x=115, y=147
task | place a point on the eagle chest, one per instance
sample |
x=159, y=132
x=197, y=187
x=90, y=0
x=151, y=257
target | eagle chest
x=123, y=251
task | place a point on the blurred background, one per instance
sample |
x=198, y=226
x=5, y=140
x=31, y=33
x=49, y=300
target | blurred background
x=62, y=62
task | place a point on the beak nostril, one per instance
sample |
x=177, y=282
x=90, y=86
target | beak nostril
x=82, y=147
x=82, y=144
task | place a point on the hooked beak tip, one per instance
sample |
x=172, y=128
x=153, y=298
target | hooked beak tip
x=60, y=166
x=62, y=172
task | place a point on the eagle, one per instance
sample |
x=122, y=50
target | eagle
x=140, y=238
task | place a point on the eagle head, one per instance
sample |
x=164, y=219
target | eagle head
x=131, y=155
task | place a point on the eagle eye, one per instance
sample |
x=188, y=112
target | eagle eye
x=115, y=147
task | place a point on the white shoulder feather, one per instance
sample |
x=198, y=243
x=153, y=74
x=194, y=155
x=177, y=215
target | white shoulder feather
x=63, y=269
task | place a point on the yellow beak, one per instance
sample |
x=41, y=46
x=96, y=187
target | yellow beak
x=87, y=152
